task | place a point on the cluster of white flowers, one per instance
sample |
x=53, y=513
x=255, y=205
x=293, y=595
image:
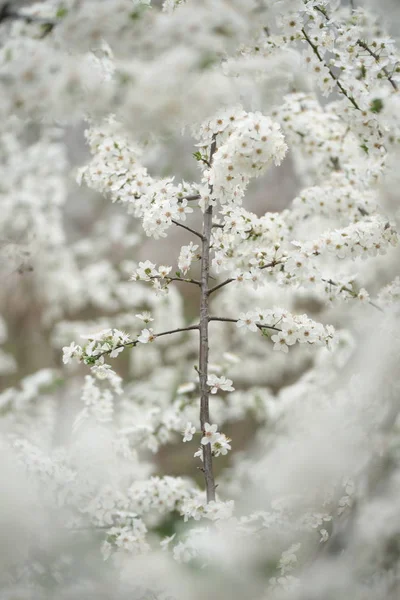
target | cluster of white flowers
x=291, y=329
x=249, y=143
x=369, y=237
x=115, y=170
x=99, y=403
x=184, y=65
x=161, y=495
x=390, y=293
x=107, y=342
x=186, y=257
x=195, y=508
x=219, y=442
x=130, y=539
x=335, y=199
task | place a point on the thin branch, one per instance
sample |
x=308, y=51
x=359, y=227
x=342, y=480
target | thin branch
x=155, y=335
x=331, y=73
x=7, y=13
x=190, y=328
x=190, y=197
x=273, y=263
x=351, y=292
x=259, y=325
x=220, y=285
x=206, y=162
x=188, y=229
x=183, y=279
x=377, y=59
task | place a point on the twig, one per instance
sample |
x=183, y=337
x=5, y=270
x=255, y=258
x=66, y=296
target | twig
x=190, y=197
x=6, y=13
x=183, y=279
x=190, y=328
x=331, y=73
x=155, y=335
x=188, y=229
x=377, y=59
x=220, y=285
x=351, y=292
x=273, y=263
x=259, y=325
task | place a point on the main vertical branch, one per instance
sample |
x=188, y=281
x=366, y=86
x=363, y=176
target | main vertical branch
x=203, y=353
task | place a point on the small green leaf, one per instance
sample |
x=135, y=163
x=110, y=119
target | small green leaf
x=61, y=12
x=376, y=105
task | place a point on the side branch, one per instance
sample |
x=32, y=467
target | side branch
x=273, y=263
x=190, y=328
x=183, y=279
x=259, y=325
x=220, y=285
x=351, y=292
x=377, y=59
x=188, y=229
x=331, y=73
x=190, y=198
x=154, y=336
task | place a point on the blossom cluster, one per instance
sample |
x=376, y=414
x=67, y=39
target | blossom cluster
x=219, y=442
x=291, y=329
x=186, y=256
x=369, y=237
x=116, y=170
x=195, y=508
x=130, y=539
x=183, y=63
x=250, y=142
x=108, y=341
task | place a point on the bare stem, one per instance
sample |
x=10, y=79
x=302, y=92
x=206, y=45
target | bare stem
x=377, y=59
x=259, y=325
x=203, y=351
x=188, y=229
x=220, y=285
x=183, y=279
x=190, y=198
x=190, y=328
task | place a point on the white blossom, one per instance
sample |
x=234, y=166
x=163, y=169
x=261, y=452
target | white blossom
x=189, y=431
x=219, y=383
